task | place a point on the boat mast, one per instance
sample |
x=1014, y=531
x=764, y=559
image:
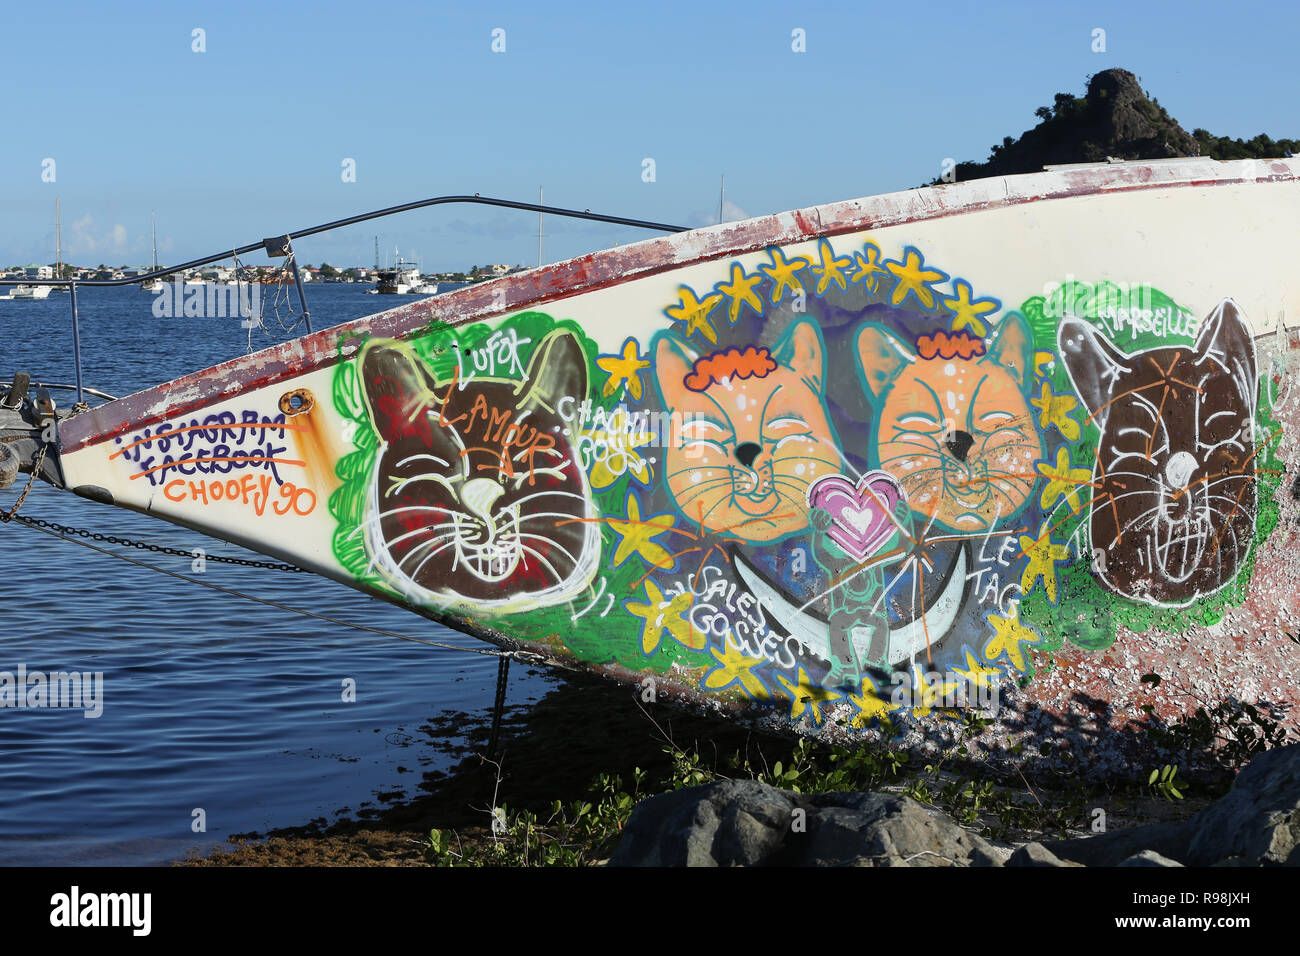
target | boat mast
x=539, y=227
x=722, y=195
x=153, y=229
x=58, y=242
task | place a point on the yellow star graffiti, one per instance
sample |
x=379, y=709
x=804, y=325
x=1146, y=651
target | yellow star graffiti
x=1044, y=362
x=1043, y=556
x=626, y=369
x=1009, y=637
x=929, y=690
x=805, y=696
x=782, y=273
x=621, y=457
x=694, y=312
x=735, y=666
x=636, y=536
x=660, y=615
x=912, y=278
x=1064, y=481
x=1055, y=410
x=869, y=268
x=870, y=705
x=965, y=313
x=831, y=268
x=977, y=673
x=740, y=290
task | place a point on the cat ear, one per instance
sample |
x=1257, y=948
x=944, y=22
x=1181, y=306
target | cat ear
x=881, y=356
x=674, y=360
x=1226, y=337
x=558, y=367
x=1012, y=347
x=801, y=348
x=1092, y=362
x=396, y=388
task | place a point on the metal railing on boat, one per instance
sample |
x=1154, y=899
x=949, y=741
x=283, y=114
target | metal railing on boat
x=282, y=246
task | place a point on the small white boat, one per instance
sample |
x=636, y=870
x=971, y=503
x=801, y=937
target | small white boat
x=31, y=292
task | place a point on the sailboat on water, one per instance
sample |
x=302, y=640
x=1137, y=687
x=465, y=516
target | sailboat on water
x=58, y=249
x=153, y=285
x=33, y=292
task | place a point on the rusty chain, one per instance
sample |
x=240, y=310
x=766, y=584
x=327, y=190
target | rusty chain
x=31, y=480
x=158, y=548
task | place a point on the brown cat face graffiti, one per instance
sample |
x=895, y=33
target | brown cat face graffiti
x=952, y=421
x=754, y=432
x=478, y=496
x=1173, y=507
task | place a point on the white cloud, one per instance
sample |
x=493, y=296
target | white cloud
x=86, y=238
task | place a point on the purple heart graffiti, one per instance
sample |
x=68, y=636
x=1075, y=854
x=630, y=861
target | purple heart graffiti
x=861, y=515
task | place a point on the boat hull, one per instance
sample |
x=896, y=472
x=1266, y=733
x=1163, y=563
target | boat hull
x=875, y=457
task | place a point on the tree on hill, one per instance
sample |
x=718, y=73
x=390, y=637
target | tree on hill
x=1262, y=146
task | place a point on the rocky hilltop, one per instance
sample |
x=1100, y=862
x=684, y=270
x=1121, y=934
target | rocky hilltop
x=1114, y=119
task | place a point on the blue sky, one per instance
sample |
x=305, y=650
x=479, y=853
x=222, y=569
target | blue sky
x=248, y=138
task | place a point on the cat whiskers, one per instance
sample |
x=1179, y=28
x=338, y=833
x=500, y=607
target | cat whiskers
x=994, y=488
x=554, y=544
x=1234, y=505
x=525, y=549
x=703, y=488
x=428, y=529
x=375, y=519
x=415, y=575
x=1211, y=481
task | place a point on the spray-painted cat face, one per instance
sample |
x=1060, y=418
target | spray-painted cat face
x=754, y=432
x=478, y=496
x=1173, y=510
x=952, y=421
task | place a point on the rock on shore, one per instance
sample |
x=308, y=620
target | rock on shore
x=747, y=823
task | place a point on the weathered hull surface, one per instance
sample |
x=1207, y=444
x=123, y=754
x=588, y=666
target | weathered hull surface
x=813, y=465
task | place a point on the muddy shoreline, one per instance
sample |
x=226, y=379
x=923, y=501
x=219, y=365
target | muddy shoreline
x=551, y=749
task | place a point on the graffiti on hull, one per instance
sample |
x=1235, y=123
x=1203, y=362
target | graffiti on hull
x=1173, y=505
x=822, y=478
x=478, y=497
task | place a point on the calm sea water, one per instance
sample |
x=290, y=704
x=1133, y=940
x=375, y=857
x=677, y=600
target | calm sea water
x=210, y=703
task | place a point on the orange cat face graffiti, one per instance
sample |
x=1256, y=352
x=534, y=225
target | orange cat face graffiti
x=953, y=422
x=753, y=432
